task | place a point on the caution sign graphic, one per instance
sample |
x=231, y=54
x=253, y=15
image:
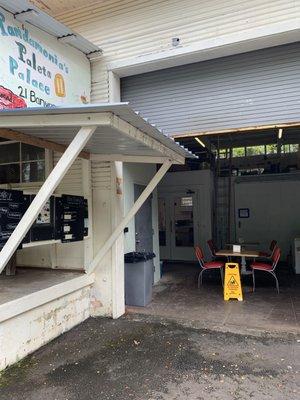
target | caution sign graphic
x=232, y=283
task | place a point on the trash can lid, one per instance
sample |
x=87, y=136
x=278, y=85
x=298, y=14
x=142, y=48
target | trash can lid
x=138, y=256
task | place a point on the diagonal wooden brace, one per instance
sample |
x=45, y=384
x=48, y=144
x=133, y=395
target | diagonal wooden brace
x=135, y=208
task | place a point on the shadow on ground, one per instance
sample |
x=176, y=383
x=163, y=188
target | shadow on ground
x=141, y=358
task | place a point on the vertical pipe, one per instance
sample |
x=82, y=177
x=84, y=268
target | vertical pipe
x=229, y=198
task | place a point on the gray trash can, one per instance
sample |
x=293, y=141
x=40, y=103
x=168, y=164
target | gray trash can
x=139, y=274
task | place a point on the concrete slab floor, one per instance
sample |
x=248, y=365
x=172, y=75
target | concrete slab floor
x=177, y=296
x=30, y=280
x=140, y=358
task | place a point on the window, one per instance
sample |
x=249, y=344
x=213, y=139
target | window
x=259, y=150
x=223, y=153
x=271, y=149
x=255, y=150
x=186, y=201
x=289, y=148
x=21, y=163
x=238, y=152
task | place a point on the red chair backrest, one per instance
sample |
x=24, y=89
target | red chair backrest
x=212, y=247
x=272, y=245
x=199, y=255
x=276, y=257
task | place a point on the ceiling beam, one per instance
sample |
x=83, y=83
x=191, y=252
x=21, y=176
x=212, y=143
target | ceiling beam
x=146, y=140
x=38, y=142
x=130, y=158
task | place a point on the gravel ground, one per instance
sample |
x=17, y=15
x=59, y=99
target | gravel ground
x=143, y=359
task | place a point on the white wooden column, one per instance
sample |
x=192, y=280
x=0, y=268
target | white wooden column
x=45, y=192
x=117, y=249
x=87, y=193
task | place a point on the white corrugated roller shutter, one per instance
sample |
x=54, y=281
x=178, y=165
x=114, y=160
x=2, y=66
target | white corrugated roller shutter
x=256, y=88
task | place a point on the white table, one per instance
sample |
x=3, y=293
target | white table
x=243, y=254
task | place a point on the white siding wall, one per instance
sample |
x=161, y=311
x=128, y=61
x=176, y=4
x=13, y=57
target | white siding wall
x=125, y=29
x=72, y=181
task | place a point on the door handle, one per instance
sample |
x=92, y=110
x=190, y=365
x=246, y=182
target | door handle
x=171, y=226
x=240, y=224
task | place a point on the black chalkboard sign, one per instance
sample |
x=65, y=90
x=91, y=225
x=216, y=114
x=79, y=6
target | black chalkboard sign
x=72, y=227
x=58, y=215
x=13, y=205
x=43, y=227
x=86, y=217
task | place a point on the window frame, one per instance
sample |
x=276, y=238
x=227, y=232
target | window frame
x=21, y=162
x=282, y=148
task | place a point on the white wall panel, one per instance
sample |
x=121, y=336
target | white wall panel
x=101, y=175
x=274, y=213
x=125, y=29
x=72, y=181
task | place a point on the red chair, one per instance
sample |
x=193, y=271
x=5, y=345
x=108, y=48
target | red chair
x=212, y=248
x=261, y=266
x=207, y=265
x=272, y=248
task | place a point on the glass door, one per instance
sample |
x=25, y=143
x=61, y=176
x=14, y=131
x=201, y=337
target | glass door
x=183, y=227
x=178, y=228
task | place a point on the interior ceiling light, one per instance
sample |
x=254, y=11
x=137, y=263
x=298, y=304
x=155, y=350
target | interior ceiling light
x=280, y=132
x=200, y=142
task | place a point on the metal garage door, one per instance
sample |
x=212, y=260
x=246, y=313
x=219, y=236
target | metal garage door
x=256, y=88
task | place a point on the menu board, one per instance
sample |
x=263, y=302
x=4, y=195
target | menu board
x=72, y=226
x=61, y=218
x=13, y=205
x=58, y=214
x=86, y=217
x=43, y=227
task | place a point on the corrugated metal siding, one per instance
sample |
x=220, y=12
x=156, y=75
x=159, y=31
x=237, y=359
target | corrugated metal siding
x=254, y=88
x=125, y=29
x=72, y=181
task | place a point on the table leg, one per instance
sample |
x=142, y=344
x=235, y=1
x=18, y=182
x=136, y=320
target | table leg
x=243, y=265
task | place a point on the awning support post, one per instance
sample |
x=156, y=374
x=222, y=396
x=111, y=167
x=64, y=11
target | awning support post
x=45, y=192
x=131, y=213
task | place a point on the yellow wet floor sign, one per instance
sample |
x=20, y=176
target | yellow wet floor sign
x=232, y=282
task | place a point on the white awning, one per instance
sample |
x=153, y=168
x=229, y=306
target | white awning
x=120, y=131
x=108, y=131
